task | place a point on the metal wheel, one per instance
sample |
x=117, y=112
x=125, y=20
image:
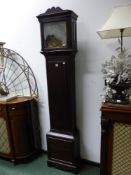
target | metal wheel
x=16, y=76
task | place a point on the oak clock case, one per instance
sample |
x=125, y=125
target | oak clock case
x=19, y=120
x=59, y=46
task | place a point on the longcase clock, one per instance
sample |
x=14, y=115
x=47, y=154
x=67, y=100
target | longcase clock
x=59, y=46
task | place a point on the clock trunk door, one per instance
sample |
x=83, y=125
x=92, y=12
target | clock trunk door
x=58, y=95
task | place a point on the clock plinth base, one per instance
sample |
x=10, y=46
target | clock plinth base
x=63, y=151
x=63, y=166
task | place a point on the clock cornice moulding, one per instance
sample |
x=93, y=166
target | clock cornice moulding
x=56, y=11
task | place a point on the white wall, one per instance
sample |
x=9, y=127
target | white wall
x=19, y=28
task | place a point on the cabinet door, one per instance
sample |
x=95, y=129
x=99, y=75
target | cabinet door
x=5, y=146
x=21, y=130
x=121, y=149
x=115, y=139
x=58, y=87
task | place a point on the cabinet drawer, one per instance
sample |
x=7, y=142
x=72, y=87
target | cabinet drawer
x=2, y=110
x=17, y=109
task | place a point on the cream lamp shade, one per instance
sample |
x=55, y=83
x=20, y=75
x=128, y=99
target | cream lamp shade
x=120, y=19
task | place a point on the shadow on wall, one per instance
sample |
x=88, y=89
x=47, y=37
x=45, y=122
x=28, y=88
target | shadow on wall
x=81, y=68
x=88, y=82
x=82, y=61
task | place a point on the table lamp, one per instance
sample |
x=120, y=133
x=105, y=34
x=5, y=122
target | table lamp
x=118, y=24
x=118, y=69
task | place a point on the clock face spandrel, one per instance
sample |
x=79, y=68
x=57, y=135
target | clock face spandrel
x=55, y=35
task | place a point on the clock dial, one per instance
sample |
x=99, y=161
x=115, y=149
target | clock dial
x=55, y=35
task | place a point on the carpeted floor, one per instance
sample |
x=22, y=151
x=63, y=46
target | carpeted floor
x=39, y=167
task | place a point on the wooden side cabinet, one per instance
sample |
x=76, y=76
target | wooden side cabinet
x=19, y=128
x=115, y=139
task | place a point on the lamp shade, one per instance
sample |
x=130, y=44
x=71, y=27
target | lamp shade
x=120, y=19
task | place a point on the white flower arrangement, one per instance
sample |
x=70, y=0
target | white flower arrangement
x=116, y=71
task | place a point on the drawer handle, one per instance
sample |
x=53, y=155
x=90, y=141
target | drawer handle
x=56, y=65
x=13, y=108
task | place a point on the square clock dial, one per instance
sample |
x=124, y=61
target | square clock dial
x=55, y=35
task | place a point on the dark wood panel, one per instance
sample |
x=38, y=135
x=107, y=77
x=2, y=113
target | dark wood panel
x=111, y=114
x=2, y=110
x=17, y=108
x=60, y=149
x=21, y=135
x=58, y=95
